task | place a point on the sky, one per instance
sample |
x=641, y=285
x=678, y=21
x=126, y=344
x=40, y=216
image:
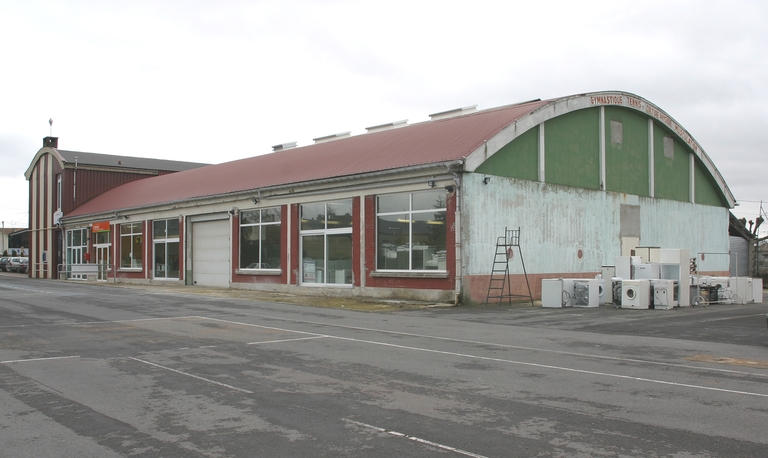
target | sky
x=214, y=81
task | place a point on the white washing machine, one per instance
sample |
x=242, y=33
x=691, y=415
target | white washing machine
x=553, y=294
x=616, y=291
x=586, y=293
x=664, y=294
x=604, y=293
x=635, y=294
x=742, y=289
x=757, y=290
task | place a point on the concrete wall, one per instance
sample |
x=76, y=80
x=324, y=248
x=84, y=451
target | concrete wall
x=574, y=231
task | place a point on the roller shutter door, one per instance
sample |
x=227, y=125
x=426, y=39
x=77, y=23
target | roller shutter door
x=739, y=257
x=210, y=253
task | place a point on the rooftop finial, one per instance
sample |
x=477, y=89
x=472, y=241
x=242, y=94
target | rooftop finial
x=50, y=123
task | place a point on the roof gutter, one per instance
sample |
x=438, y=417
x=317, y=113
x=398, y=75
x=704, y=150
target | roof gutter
x=450, y=165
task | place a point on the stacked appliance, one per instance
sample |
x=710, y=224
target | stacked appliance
x=586, y=293
x=635, y=294
x=664, y=294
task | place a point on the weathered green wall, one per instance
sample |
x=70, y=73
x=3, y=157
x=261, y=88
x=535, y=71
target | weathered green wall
x=517, y=159
x=573, y=149
x=671, y=171
x=626, y=162
x=706, y=192
x=572, y=157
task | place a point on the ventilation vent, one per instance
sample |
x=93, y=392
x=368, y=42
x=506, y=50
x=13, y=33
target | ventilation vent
x=330, y=138
x=388, y=126
x=284, y=146
x=452, y=113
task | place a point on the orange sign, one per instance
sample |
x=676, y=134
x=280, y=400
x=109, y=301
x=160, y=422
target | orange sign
x=101, y=226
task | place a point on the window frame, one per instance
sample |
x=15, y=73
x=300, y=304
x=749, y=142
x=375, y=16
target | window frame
x=409, y=217
x=165, y=240
x=260, y=225
x=328, y=230
x=132, y=235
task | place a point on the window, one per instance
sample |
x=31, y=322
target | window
x=165, y=237
x=77, y=245
x=130, y=246
x=58, y=192
x=260, y=239
x=411, y=232
x=326, y=243
x=77, y=249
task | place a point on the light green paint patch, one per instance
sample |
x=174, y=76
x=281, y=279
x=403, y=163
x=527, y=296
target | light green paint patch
x=706, y=191
x=671, y=166
x=517, y=159
x=572, y=147
x=626, y=151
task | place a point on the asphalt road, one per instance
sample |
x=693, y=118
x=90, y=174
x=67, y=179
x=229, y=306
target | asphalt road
x=103, y=371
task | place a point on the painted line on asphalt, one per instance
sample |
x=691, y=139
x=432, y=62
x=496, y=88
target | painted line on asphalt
x=733, y=318
x=286, y=340
x=516, y=347
x=261, y=326
x=79, y=323
x=414, y=438
x=3, y=285
x=36, y=359
x=191, y=375
x=510, y=361
x=560, y=368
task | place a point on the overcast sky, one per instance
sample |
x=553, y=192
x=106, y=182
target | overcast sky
x=214, y=81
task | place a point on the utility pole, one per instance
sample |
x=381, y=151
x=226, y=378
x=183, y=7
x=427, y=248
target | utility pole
x=3, y=238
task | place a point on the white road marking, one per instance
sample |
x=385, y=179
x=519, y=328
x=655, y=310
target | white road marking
x=517, y=347
x=509, y=361
x=36, y=359
x=191, y=375
x=286, y=340
x=25, y=289
x=560, y=368
x=414, y=438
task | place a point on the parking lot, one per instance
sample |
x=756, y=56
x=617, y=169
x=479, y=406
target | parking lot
x=108, y=370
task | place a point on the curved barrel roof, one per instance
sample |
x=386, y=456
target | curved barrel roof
x=469, y=138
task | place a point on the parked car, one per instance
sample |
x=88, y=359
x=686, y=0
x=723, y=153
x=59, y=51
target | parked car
x=4, y=263
x=13, y=263
x=23, y=266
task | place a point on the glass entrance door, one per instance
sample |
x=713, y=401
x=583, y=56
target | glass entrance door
x=103, y=261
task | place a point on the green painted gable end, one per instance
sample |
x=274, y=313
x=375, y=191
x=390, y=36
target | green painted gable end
x=517, y=159
x=572, y=149
x=572, y=157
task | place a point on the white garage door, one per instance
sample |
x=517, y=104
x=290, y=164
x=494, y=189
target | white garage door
x=210, y=253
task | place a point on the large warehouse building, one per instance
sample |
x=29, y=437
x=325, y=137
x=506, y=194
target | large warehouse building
x=406, y=210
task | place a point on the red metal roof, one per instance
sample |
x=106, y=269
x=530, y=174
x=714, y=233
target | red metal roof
x=430, y=142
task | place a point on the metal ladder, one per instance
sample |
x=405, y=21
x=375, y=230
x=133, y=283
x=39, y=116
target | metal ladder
x=500, y=280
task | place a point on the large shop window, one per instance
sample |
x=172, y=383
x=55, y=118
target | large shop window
x=411, y=232
x=260, y=239
x=165, y=235
x=326, y=243
x=130, y=246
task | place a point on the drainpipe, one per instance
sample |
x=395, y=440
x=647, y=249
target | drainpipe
x=457, y=236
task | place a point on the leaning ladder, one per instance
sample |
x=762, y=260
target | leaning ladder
x=500, y=279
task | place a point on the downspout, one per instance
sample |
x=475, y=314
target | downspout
x=457, y=237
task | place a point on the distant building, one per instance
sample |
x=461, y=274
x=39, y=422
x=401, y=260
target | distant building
x=61, y=181
x=9, y=240
x=405, y=210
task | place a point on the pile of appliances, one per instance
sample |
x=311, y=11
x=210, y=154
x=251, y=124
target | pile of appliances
x=653, y=278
